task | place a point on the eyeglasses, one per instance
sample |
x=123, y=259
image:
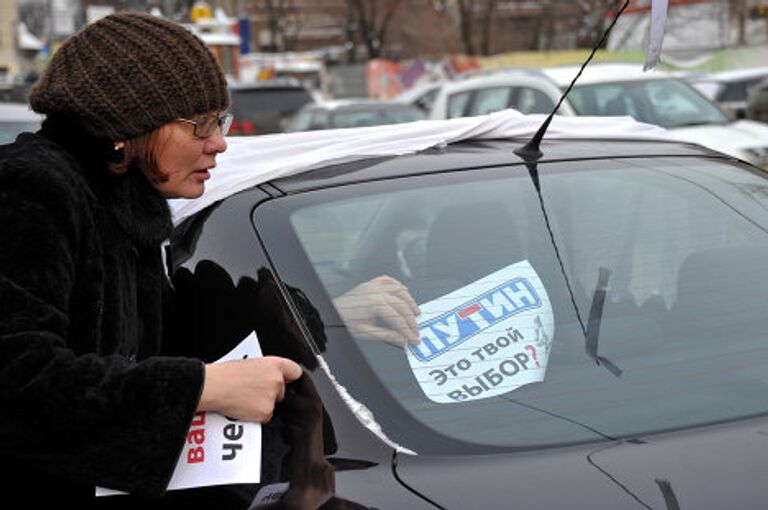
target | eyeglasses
x=206, y=125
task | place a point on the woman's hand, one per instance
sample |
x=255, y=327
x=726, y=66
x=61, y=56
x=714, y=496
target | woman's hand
x=247, y=389
x=380, y=309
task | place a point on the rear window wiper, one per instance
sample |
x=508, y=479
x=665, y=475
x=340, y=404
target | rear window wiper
x=593, y=323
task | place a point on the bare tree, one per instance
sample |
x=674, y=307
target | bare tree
x=284, y=23
x=739, y=12
x=544, y=34
x=593, y=15
x=475, y=19
x=368, y=22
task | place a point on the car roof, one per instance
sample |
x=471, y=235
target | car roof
x=476, y=154
x=603, y=73
x=251, y=161
x=499, y=78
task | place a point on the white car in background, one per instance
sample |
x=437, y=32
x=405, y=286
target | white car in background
x=657, y=97
x=654, y=97
x=525, y=90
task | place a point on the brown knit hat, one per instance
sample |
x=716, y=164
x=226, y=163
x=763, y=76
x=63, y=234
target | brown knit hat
x=128, y=74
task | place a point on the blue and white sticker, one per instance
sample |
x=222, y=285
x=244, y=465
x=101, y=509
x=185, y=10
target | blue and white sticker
x=485, y=339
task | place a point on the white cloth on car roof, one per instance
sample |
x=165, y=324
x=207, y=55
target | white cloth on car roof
x=253, y=160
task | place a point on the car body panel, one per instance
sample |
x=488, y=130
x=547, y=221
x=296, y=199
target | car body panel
x=737, y=139
x=682, y=470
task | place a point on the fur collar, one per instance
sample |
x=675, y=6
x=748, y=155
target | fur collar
x=136, y=206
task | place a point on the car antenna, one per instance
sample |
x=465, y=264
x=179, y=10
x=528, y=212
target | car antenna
x=530, y=152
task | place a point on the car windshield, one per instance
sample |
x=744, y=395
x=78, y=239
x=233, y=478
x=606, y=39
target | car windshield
x=624, y=299
x=667, y=103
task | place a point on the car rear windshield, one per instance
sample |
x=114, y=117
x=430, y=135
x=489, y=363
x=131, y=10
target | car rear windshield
x=624, y=299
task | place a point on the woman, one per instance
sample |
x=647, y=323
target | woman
x=134, y=109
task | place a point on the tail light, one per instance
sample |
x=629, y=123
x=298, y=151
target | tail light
x=242, y=127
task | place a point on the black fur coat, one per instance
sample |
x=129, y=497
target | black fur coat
x=85, y=399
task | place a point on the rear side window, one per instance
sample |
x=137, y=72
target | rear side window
x=489, y=100
x=664, y=256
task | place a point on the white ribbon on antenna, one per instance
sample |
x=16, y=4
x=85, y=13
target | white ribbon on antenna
x=656, y=33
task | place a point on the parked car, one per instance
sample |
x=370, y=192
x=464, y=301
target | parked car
x=659, y=98
x=263, y=107
x=592, y=322
x=528, y=91
x=353, y=112
x=729, y=88
x=16, y=118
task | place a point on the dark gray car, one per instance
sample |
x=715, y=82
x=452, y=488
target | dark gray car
x=632, y=371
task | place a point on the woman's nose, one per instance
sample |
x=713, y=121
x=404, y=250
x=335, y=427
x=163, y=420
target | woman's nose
x=216, y=143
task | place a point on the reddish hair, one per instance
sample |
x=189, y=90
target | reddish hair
x=142, y=151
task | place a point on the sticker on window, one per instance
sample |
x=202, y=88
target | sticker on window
x=485, y=339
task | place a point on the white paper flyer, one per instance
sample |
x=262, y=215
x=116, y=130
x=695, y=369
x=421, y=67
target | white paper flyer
x=485, y=339
x=218, y=450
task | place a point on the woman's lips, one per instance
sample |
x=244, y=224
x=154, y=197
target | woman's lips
x=203, y=174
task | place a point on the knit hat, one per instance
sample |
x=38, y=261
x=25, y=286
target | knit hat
x=130, y=73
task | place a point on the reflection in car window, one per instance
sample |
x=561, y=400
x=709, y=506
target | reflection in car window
x=684, y=243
